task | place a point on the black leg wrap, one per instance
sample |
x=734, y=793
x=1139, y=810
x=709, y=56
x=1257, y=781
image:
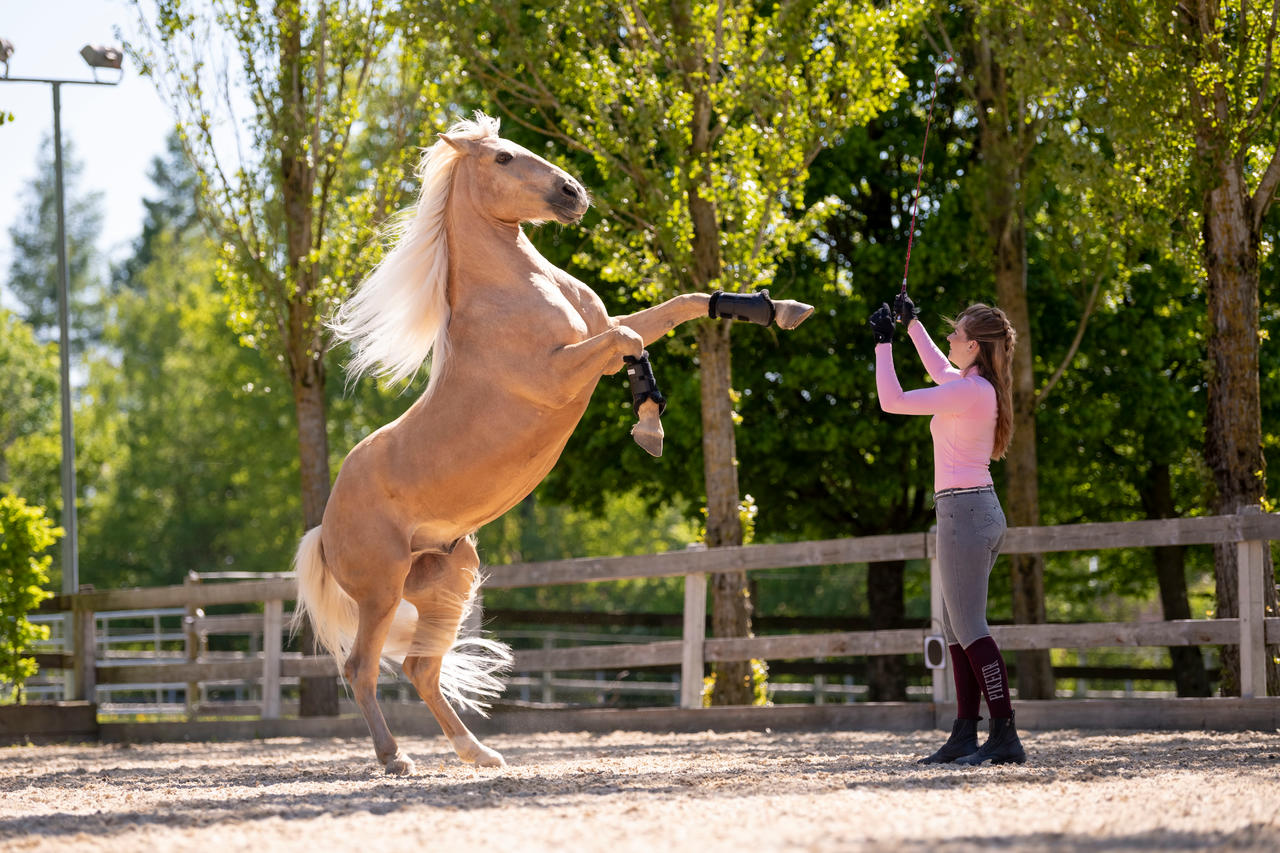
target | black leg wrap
x=752, y=307
x=643, y=385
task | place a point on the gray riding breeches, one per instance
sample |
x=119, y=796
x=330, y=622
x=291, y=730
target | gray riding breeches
x=971, y=529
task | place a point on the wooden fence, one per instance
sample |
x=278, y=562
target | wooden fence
x=1250, y=532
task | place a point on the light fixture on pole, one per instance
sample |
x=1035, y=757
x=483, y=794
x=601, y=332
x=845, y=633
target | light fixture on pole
x=103, y=56
x=97, y=57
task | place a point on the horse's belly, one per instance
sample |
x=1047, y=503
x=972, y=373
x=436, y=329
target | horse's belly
x=435, y=486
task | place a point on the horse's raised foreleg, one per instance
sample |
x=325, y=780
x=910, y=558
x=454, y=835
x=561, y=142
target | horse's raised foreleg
x=361, y=672
x=653, y=323
x=577, y=367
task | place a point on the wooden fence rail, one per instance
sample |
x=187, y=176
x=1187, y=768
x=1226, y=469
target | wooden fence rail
x=1250, y=531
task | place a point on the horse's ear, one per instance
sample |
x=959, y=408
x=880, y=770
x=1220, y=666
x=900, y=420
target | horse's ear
x=456, y=143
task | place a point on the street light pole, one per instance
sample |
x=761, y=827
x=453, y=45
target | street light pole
x=71, y=542
x=97, y=58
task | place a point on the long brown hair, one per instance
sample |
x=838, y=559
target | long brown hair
x=996, y=338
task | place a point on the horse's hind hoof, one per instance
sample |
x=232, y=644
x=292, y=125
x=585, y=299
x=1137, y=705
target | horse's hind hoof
x=400, y=765
x=490, y=758
x=472, y=751
x=788, y=313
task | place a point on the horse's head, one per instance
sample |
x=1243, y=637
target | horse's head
x=513, y=184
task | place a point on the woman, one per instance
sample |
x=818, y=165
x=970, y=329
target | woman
x=972, y=408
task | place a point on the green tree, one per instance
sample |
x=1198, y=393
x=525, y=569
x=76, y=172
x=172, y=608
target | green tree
x=25, y=534
x=1124, y=440
x=823, y=460
x=318, y=168
x=1193, y=108
x=28, y=406
x=191, y=433
x=701, y=122
x=173, y=210
x=33, y=268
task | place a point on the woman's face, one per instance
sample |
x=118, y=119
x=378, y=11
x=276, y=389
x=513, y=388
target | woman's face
x=963, y=351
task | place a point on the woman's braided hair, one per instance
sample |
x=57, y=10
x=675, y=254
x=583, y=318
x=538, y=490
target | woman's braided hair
x=996, y=338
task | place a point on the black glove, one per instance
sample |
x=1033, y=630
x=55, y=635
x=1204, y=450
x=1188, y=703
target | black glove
x=904, y=309
x=881, y=323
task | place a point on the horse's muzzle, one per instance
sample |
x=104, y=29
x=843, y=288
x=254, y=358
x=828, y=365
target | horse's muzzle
x=569, y=200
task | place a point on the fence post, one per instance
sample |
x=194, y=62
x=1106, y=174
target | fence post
x=943, y=685
x=695, y=633
x=272, y=628
x=1251, y=603
x=191, y=642
x=85, y=647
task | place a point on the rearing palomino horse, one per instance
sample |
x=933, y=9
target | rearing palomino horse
x=516, y=348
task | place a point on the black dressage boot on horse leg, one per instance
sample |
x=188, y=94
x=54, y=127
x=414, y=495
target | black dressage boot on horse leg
x=1002, y=747
x=963, y=741
x=647, y=402
x=758, y=308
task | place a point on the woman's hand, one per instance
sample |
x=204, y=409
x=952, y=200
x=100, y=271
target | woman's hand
x=904, y=309
x=881, y=323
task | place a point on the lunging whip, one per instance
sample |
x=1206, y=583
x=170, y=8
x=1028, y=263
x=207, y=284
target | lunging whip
x=915, y=204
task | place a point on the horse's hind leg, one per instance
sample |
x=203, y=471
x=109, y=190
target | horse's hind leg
x=440, y=587
x=361, y=672
x=424, y=672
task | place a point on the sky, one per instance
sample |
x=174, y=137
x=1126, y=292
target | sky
x=117, y=130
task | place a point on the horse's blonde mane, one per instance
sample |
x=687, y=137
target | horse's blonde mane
x=399, y=315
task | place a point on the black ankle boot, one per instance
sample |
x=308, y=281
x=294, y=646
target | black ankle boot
x=1002, y=746
x=963, y=741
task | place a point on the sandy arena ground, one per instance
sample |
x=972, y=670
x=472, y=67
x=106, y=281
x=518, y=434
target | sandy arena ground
x=630, y=791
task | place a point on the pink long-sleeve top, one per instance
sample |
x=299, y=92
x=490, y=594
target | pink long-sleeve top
x=963, y=405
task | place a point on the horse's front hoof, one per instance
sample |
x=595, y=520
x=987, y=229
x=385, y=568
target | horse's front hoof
x=650, y=441
x=788, y=313
x=648, y=430
x=400, y=765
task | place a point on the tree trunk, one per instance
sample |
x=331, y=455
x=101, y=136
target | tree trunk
x=1022, y=489
x=318, y=696
x=886, y=674
x=1188, y=663
x=304, y=351
x=1000, y=147
x=1233, y=434
x=731, y=597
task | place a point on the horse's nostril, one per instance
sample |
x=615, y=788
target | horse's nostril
x=570, y=189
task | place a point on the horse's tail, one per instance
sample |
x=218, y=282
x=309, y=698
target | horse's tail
x=333, y=613
x=472, y=667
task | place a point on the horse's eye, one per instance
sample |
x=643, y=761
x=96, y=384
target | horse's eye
x=503, y=158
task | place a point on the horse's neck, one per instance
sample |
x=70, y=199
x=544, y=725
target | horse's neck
x=480, y=247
